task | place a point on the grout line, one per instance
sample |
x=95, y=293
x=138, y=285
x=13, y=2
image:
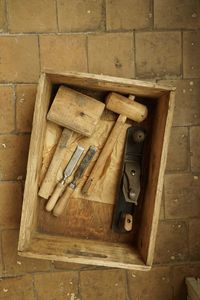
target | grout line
x=182, y=54
x=56, y=5
x=162, y=30
x=15, y=107
x=134, y=54
x=6, y=15
x=189, y=163
x=163, y=201
x=1, y=249
x=34, y=288
x=152, y=12
x=87, y=53
x=105, y=15
x=14, y=133
x=127, y=285
x=171, y=274
x=79, y=286
x=39, y=53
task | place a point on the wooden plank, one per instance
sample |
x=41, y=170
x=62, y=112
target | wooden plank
x=29, y=209
x=109, y=83
x=158, y=155
x=84, y=252
x=193, y=288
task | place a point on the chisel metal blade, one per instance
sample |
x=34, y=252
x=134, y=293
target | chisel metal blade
x=73, y=161
x=83, y=165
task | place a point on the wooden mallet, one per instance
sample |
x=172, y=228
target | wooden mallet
x=126, y=108
x=76, y=112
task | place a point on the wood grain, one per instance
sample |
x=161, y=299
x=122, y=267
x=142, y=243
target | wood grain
x=49, y=181
x=75, y=111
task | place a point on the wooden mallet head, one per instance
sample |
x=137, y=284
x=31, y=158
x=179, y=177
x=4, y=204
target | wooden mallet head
x=127, y=107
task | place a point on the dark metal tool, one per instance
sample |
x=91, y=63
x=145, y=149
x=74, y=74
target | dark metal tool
x=64, y=200
x=129, y=189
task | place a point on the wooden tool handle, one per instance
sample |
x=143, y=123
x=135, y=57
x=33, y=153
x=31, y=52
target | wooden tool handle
x=63, y=202
x=48, y=183
x=104, y=155
x=55, y=196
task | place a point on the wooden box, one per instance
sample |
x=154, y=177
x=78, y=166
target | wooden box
x=104, y=250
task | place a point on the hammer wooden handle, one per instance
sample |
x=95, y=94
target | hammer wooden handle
x=63, y=202
x=48, y=183
x=104, y=155
x=55, y=196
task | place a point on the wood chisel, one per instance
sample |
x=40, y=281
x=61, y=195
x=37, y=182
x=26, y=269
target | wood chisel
x=64, y=200
x=67, y=172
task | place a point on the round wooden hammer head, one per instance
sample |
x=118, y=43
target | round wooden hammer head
x=126, y=106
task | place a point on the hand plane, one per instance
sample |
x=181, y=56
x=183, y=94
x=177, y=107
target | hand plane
x=130, y=182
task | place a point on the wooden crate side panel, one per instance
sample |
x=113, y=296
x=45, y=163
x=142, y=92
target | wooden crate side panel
x=153, y=195
x=108, y=83
x=30, y=200
x=84, y=252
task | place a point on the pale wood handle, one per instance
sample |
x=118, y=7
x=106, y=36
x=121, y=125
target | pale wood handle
x=63, y=202
x=48, y=182
x=55, y=196
x=104, y=155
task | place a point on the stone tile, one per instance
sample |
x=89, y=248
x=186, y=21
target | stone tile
x=17, y=265
x=182, y=196
x=126, y=15
x=155, y=57
x=32, y=16
x=175, y=14
x=117, y=50
x=154, y=284
x=177, y=159
x=171, y=242
x=194, y=148
x=25, y=101
x=68, y=52
x=21, y=62
x=80, y=15
x=106, y=284
x=57, y=285
x=194, y=239
x=10, y=204
x=2, y=16
x=191, y=54
x=19, y=288
x=187, y=108
x=13, y=156
x=179, y=275
x=7, y=109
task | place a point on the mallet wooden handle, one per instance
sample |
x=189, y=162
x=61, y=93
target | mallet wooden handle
x=63, y=202
x=48, y=183
x=126, y=108
x=104, y=155
x=60, y=187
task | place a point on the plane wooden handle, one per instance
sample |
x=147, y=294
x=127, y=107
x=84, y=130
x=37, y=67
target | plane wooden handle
x=104, y=155
x=55, y=196
x=63, y=202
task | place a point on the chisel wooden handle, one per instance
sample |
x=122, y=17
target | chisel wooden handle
x=60, y=187
x=63, y=202
x=48, y=183
x=104, y=155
